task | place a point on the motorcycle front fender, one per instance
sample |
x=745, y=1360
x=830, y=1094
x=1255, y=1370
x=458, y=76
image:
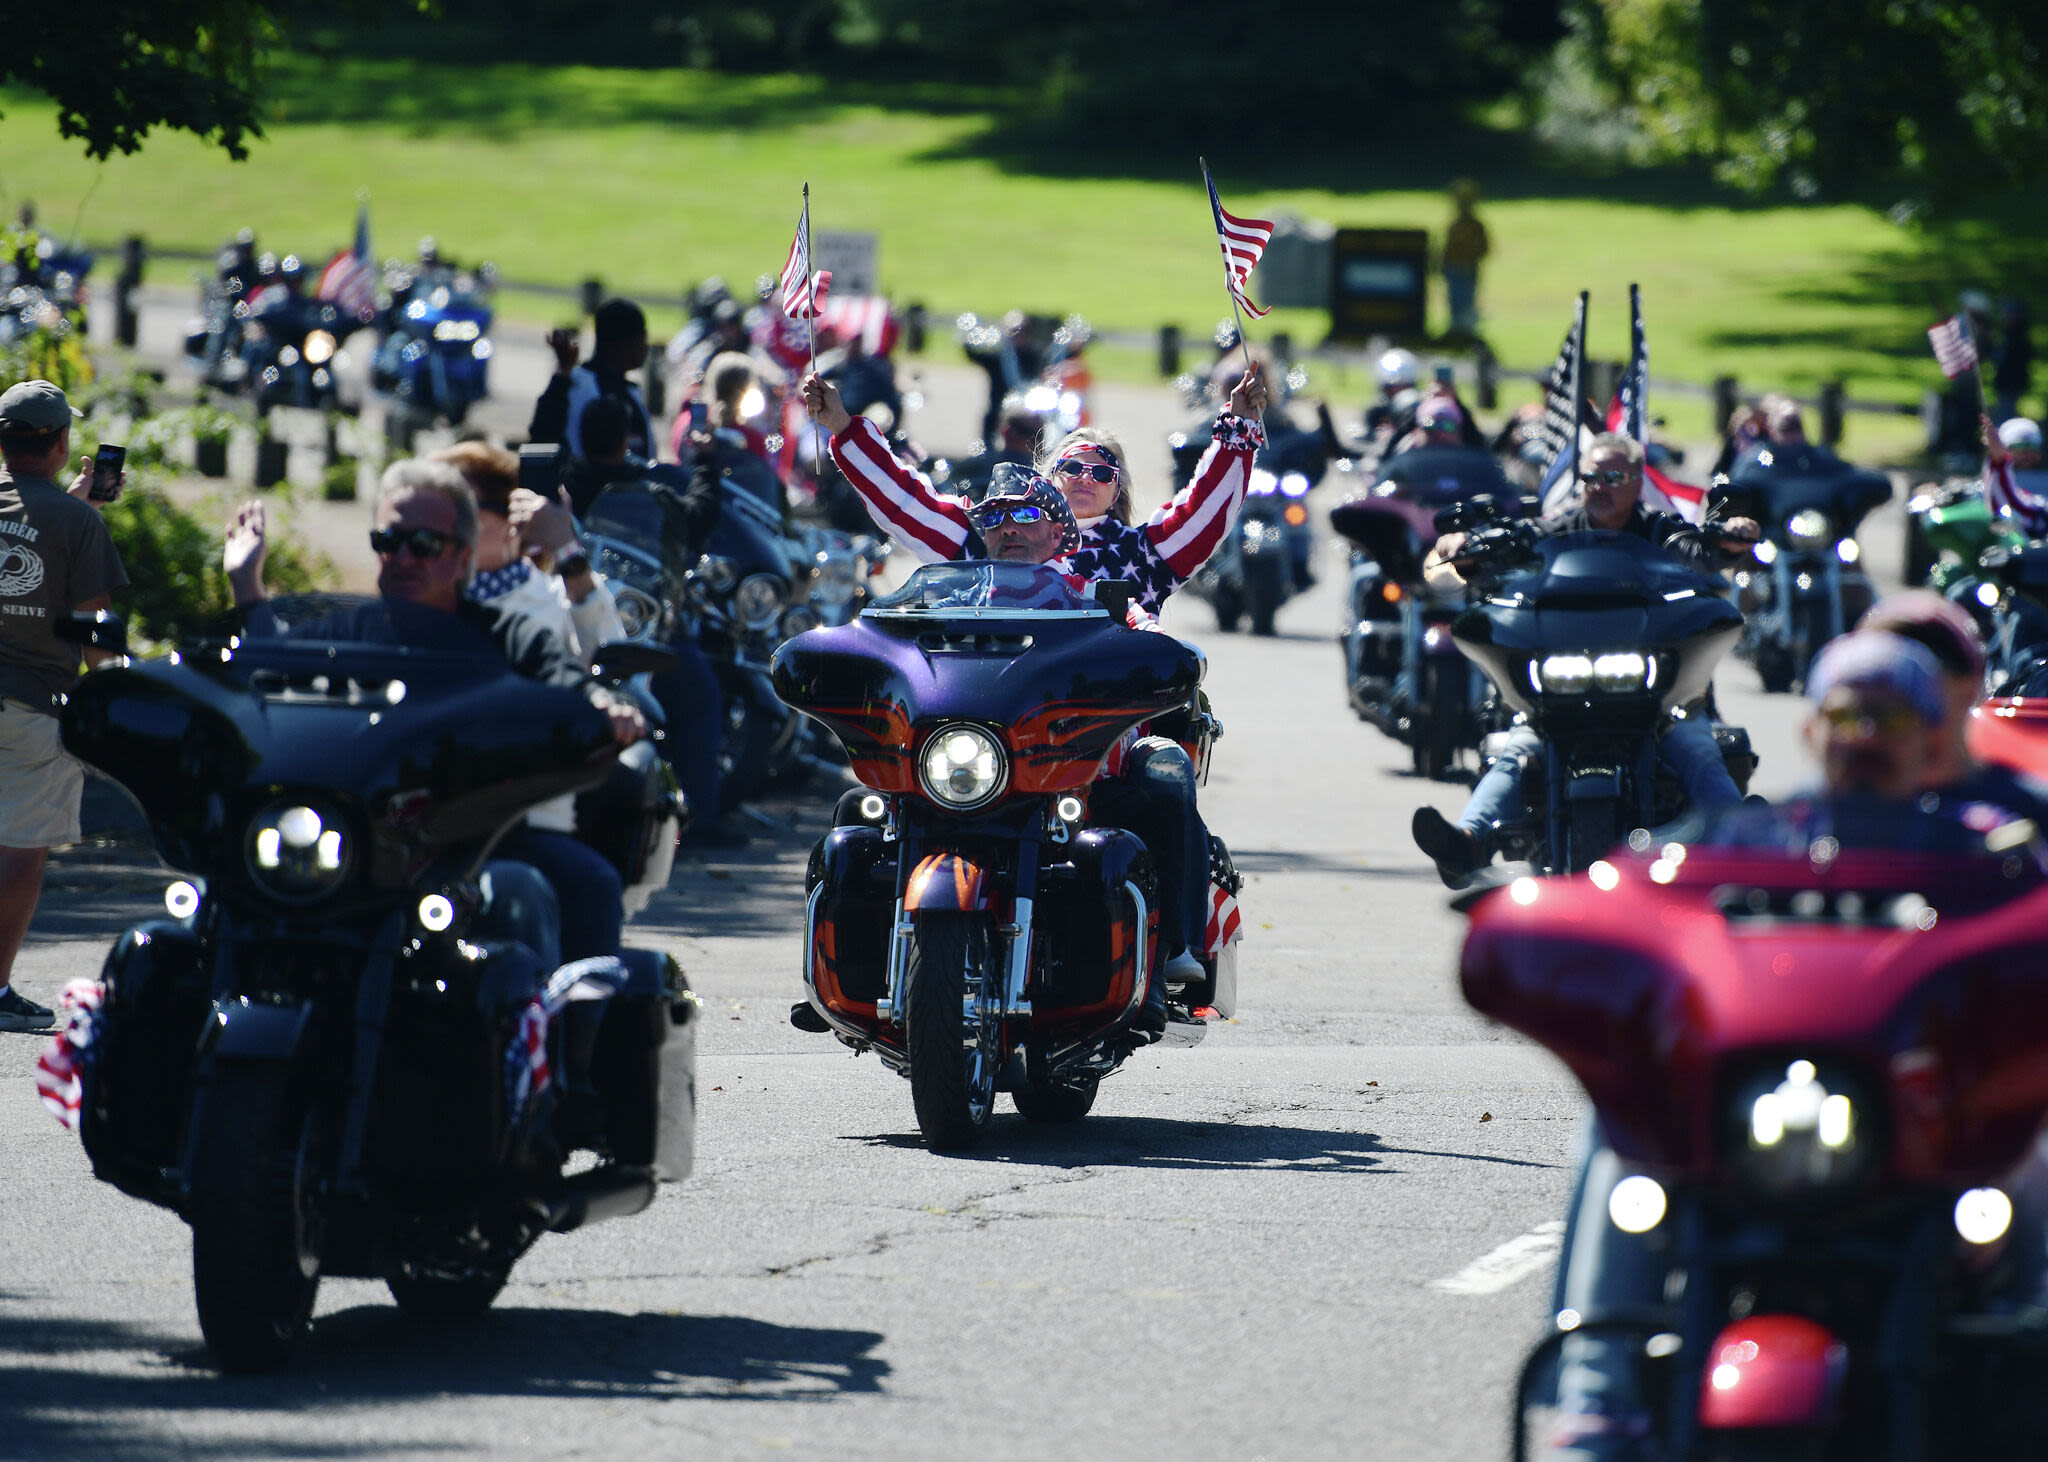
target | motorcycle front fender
x=243, y=1030
x=1778, y=1371
x=946, y=883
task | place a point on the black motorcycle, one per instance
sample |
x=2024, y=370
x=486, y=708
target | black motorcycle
x=1595, y=638
x=1267, y=556
x=1811, y=586
x=329, y=1059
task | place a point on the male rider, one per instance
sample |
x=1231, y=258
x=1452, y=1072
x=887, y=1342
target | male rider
x=618, y=345
x=1025, y=519
x=1611, y=501
x=425, y=542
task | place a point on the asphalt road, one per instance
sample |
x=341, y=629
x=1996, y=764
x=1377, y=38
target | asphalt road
x=1325, y=1232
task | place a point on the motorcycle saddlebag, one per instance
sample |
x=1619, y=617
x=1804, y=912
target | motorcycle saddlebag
x=137, y=1098
x=632, y=817
x=1088, y=928
x=852, y=882
x=629, y=1063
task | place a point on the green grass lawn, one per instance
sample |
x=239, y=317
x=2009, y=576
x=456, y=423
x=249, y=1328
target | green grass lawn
x=654, y=179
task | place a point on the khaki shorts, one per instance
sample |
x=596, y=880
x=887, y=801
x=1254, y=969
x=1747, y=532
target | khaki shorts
x=41, y=783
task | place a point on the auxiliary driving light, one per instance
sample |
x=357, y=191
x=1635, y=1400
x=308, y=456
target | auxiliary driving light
x=1069, y=808
x=1983, y=1215
x=1637, y=1204
x=436, y=913
x=873, y=807
x=182, y=900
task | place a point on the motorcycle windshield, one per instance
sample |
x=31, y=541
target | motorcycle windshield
x=949, y=590
x=635, y=514
x=1435, y=477
x=1773, y=483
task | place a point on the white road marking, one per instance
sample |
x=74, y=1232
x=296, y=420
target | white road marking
x=1515, y=1260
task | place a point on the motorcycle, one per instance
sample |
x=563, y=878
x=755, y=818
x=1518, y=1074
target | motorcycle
x=1266, y=557
x=1812, y=586
x=1031, y=360
x=436, y=361
x=964, y=922
x=325, y=1060
x=1948, y=526
x=1401, y=670
x=291, y=354
x=1816, y=1065
x=1594, y=638
x=2007, y=595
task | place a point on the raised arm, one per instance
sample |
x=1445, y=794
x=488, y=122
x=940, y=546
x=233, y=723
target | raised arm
x=930, y=526
x=1187, y=530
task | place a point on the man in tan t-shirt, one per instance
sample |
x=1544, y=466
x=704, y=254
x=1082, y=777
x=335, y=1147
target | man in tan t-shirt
x=56, y=556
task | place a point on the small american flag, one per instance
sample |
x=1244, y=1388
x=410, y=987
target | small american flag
x=1954, y=349
x=1243, y=241
x=60, y=1069
x=527, y=1070
x=802, y=291
x=1225, y=924
x=350, y=279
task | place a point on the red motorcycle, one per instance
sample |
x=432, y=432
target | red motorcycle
x=2012, y=731
x=1818, y=1053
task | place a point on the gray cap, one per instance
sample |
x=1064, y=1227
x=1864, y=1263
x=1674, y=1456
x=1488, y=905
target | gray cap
x=35, y=406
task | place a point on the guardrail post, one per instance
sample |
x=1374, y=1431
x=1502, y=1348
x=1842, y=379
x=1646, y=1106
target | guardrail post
x=1831, y=396
x=1726, y=398
x=128, y=319
x=914, y=328
x=1169, y=350
x=654, y=382
x=1282, y=346
x=591, y=293
x=1489, y=377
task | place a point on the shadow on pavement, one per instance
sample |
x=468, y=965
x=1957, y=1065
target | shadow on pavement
x=1158, y=1142
x=372, y=1354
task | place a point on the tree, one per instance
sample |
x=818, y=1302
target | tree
x=1830, y=96
x=118, y=68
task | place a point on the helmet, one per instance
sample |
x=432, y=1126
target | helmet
x=2020, y=432
x=1396, y=369
x=290, y=267
x=430, y=251
x=266, y=267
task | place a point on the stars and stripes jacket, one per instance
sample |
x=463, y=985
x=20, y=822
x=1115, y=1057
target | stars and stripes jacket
x=2019, y=501
x=1156, y=556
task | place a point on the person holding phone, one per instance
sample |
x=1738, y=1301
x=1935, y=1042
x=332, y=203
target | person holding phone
x=56, y=557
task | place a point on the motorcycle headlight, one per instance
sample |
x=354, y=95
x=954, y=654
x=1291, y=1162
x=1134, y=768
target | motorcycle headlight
x=720, y=574
x=481, y=350
x=1294, y=484
x=638, y=610
x=1766, y=552
x=295, y=854
x=1623, y=672
x=757, y=601
x=319, y=347
x=1809, y=529
x=1566, y=674
x=798, y=618
x=963, y=767
x=1792, y=1125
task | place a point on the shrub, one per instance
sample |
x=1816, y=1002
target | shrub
x=172, y=555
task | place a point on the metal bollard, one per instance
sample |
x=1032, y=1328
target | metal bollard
x=272, y=457
x=1489, y=377
x=1282, y=347
x=1169, y=350
x=591, y=293
x=127, y=318
x=654, y=382
x=1726, y=398
x=1831, y=394
x=914, y=328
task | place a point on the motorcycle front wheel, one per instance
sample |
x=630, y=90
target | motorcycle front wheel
x=256, y=1219
x=952, y=1064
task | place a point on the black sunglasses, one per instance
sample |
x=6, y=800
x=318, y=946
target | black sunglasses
x=989, y=519
x=1094, y=471
x=421, y=543
x=1615, y=477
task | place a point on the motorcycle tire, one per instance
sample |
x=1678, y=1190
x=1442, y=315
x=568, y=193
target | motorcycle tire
x=1436, y=734
x=1263, y=592
x=1594, y=829
x=1229, y=605
x=1058, y=1102
x=952, y=1083
x=425, y=1294
x=1774, y=668
x=1920, y=555
x=256, y=1220
x=744, y=751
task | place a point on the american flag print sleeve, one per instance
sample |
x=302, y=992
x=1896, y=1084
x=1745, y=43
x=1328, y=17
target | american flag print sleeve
x=930, y=526
x=1187, y=530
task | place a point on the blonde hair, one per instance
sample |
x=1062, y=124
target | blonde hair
x=491, y=472
x=1109, y=446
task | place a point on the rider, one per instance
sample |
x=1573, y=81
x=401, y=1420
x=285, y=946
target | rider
x=1438, y=423
x=2014, y=483
x=425, y=541
x=618, y=345
x=1611, y=501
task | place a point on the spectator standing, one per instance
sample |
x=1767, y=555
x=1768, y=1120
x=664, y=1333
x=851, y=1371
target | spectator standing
x=619, y=345
x=1465, y=245
x=56, y=557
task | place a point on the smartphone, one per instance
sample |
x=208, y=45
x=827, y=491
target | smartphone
x=106, y=474
x=700, y=415
x=1445, y=374
x=540, y=468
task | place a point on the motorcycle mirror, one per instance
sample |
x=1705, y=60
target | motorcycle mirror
x=1113, y=595
x=618, y=660
x=100, y=630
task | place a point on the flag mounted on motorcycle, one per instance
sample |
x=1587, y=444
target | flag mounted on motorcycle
x=1629, y=414
x=350, y=278
x=1564, y=414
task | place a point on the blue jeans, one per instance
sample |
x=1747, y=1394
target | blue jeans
x=694, y=710
x=1687, y=747
x=1461, y=284
x=592, y=898
x=1155, y=798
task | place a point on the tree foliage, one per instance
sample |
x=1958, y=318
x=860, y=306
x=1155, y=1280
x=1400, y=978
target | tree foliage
x=1830, y=97
x=119, y=68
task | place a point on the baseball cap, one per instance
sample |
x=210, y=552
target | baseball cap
x=1941, y=628
x=1881, y=661
x=2020, y=432
x=35, y=406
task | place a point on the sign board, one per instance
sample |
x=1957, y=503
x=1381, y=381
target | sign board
x=1379, y=283
x=850, y=256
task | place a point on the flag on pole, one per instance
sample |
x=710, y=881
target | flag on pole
x=1629, y=414
x=350, y=278
x=802, y=291
x=1563, y=413
x=1954, y=347
x=1243, y=241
